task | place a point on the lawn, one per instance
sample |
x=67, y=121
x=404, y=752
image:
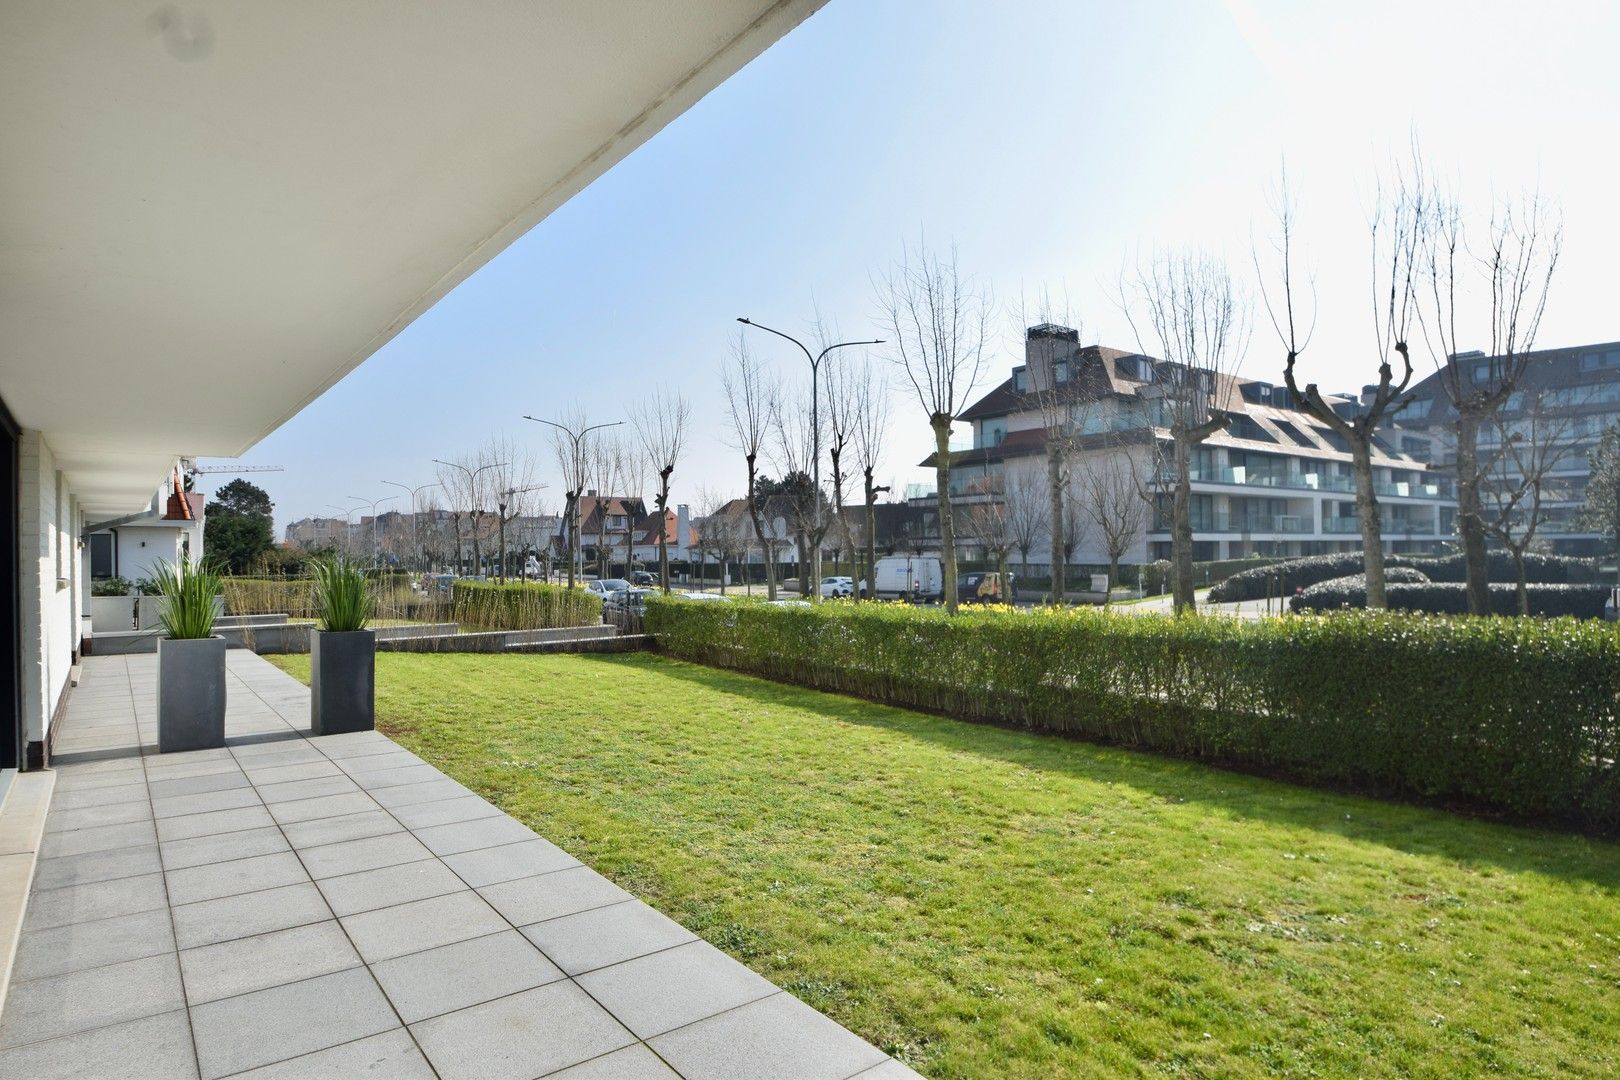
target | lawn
x=990, y=903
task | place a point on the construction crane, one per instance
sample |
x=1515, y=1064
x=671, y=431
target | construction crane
x=200, y=470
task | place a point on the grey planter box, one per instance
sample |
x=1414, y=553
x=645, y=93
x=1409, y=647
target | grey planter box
x=191, y=694
x=342, y=681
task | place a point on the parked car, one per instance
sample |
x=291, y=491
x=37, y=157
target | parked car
x=633, y=601
x=980, y=587
x=643, y=577
x=603, y=586
x=837, y=586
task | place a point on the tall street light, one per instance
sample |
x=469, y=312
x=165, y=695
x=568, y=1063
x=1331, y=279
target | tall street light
x=416, y=546
x=576, y=439
x=472, y=493
x=815, y=439
x=348, y=521
x=373, y=503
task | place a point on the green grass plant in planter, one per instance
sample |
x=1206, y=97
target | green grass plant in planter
x=191, y=659
x=342, y=651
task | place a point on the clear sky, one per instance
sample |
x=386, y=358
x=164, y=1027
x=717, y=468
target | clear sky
x=1052, y=142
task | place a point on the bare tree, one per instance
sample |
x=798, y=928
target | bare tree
x=869, y=410
x=1507, y=299
x=992, y=528
x=1197, y=321
x=751, y=392
x=939, y=319
x=661, y=429
x=1528, y=450
x=793, y=449
x=512, y=489
x=571, y=439
x=842, y=403
x=1397, y=226
x=1028, y=508
x=1112, y=498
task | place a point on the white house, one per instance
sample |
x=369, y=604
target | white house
x=134, y=546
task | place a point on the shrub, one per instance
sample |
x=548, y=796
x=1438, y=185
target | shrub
x=113, y=586
x=520, y=606
x=1451, y=598
x=1516, y=715
x=1340, y=592
x=1303, y=573
x=342, y=594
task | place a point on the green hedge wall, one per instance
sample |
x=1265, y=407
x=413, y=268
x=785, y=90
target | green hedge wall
x=1303, y=573
x=1514, y=715
x=522, y=606
x=1451, y=598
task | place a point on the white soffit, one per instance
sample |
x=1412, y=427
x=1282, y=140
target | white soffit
x=211, y=212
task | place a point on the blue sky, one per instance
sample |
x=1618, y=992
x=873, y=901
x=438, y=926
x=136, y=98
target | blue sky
x=1052, y=142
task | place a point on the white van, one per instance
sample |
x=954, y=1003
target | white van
x=909, y=577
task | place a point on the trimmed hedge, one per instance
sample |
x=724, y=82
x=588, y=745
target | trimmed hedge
x=1303, y=573
x=1451, y=597
x=490, y=605
x=1514, y=715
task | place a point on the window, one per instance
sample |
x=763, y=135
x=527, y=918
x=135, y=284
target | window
x=1333, y=439
x=1416, y=410
x=1245, y=427
x=1060, y=371
x=1418, y=448
x=1018, y=380
x=101, y=555
x=1293, y=433
x=1597, y=361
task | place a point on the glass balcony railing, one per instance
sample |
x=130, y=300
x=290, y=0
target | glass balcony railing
x=1243, y=523
x=1245, y=477
x=1395, y=526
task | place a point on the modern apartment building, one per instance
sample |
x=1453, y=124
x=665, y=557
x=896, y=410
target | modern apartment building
x=1274, y=482
x=1569, y=396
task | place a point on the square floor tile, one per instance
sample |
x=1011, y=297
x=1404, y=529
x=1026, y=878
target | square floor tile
x=254, y=963
x=777, y=1036
x=489, y=866
x=250, y=913
x=553, y=895
x=467, y=973
x=351, y=894
x=272, y=1025
x=665, y=990
x=83, y=1000
x=151, y=1048
x=422, y=924
x=604, y=936
x=371, y=853
x=521, y=1036
x=390, y=1056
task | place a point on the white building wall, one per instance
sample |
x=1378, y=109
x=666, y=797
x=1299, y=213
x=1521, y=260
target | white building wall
x=141, y=548
x=49, y=577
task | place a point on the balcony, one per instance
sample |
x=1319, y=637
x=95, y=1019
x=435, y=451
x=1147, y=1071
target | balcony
x=1393, y=526
x=1322, y=482
x=1244, y=523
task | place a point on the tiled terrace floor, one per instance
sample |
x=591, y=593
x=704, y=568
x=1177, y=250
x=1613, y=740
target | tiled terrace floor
x=335, y=907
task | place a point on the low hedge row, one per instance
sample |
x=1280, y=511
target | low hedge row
x=1516, y=715
x=1303, y=573
x=1451, y=598
x=490, y=605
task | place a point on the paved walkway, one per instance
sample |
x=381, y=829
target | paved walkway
x=335, y=907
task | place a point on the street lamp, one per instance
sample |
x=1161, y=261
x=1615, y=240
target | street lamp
x=575, y=438
x=472, y=493
x=373, y=503
x=348, y=521
x=416, y=546
x=815, y=438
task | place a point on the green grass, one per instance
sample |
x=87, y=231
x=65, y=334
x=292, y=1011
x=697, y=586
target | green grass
x=990, y=903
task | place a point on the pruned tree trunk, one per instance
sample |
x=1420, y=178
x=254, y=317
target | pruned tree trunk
x=1372, y=541
x=1181, y=538
x=663, y=528
x=871, y=536
x=758, y=519
x=941, y=423
x=1054, y=484
x=1470, y=525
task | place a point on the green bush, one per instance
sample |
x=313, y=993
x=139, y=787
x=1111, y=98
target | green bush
x=1335, y=593
x=518, y=606
x=1451, y=597
x=113, y=586
x=1514, y=715
x=1303, y=573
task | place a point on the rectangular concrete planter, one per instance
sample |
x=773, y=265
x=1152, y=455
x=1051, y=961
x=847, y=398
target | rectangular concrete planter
x=191, y=694
x=342, y=681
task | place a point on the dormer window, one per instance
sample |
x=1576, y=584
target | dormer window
x=1060, y=371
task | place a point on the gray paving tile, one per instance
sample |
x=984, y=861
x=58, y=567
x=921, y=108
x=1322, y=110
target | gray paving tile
x=410, y=794
x=205, y=803
x=327, y=806
x=221, y=847
x=214, y=823
x=335, y=830
x=553, y=895
x=604, y=936
x=99, y=900
x=444, y=812
x=197, y=785
x=282, y=1022
x=489, y=866
x=421, y=924
x=412, y=774
x=354, y=744
x=95, y=866
x=632, y=1063
x=250, y=913
x=472, y=835
x=390, y=1056
x=522, y=1036
x=777, y=1036
x=657, y=993
x=313, y=788
x=254, y=963
x=59, y=821
x=151, y=1048
x=78, y=946
x=379, y=763
x=134, y=791
x=254, y=874
x=351, y=894
x=467, y=973
x=371, y=853
x=103, y=838
x=84, y=1000
x=312, y=768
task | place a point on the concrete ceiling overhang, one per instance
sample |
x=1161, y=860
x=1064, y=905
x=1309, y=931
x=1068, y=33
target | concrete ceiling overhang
x=210, y=212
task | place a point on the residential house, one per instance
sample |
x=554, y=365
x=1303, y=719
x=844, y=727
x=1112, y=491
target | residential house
x=133, y=547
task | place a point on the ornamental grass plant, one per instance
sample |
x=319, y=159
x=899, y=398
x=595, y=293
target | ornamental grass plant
x=343, y=600
x=188, y=589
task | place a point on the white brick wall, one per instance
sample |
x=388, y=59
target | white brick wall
x=46, y=521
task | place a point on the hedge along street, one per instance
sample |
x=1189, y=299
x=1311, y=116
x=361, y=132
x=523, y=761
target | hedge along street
x=1511, y=715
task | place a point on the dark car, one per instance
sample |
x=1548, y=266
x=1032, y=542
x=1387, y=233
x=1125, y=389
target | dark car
x=643, y=577
x=980, y=587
